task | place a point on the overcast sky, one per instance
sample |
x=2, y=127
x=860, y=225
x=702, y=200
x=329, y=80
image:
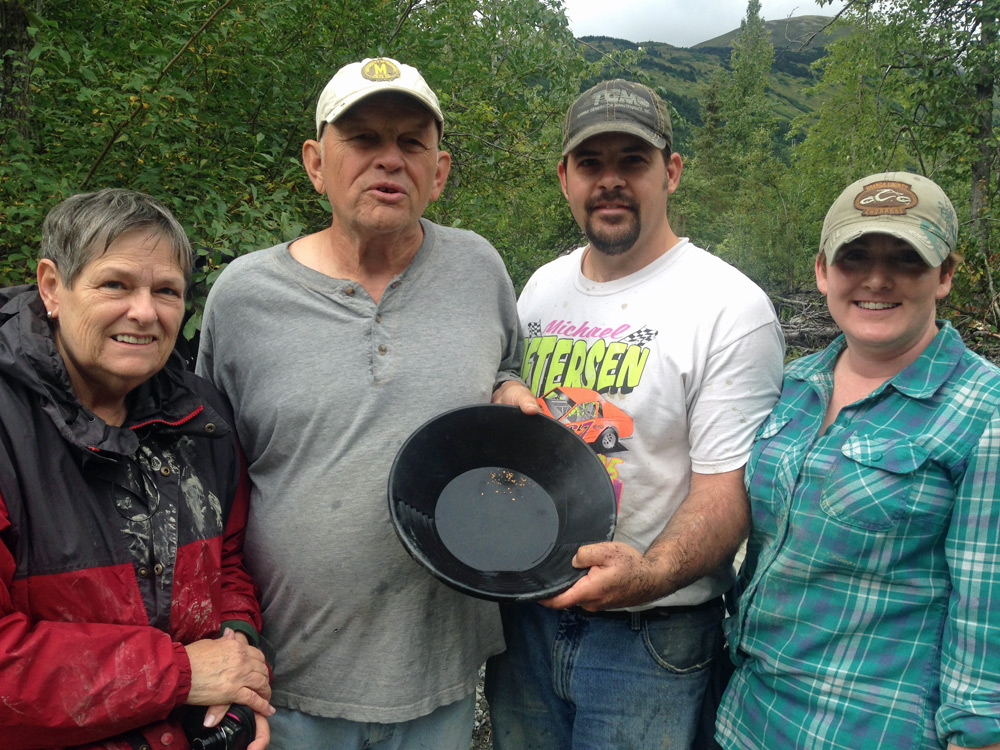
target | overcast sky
x=682, y=23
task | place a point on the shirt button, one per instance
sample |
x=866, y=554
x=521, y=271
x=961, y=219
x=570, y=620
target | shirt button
x=165, y=471
x=382, y=349
x=143, y=572
x=210, y=428
x=349, y=291
x=167, y=738
x=393, y=285
x=378, y=318
x=145, y=747
x=158, y=569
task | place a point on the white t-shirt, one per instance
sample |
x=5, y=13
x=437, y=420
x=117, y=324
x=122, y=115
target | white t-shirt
x=666, y=371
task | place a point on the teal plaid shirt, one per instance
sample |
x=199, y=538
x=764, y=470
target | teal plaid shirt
x=870, y=608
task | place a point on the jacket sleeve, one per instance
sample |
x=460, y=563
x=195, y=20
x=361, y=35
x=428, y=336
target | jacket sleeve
x=240, y=595
x=69, y=683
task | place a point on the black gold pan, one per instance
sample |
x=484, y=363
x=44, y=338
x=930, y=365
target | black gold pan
x=495, y=503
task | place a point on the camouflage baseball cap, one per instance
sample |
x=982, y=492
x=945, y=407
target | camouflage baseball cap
x=617, y=106
x=904, y=205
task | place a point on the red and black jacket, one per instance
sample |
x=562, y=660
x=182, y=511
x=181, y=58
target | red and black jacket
x=118, y=545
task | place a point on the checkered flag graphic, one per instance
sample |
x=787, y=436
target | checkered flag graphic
x=641, y=337
x=534, y=330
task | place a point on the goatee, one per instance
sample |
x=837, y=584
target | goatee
x=615, y=239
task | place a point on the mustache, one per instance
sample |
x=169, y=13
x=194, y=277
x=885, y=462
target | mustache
x=612, y=196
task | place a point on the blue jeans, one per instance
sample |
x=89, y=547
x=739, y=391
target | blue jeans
x=569, y=680
x=445, y=728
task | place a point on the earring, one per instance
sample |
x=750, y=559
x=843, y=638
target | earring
x=50, y=315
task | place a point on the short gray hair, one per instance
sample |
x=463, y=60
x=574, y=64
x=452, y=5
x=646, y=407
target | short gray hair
x=84, y=225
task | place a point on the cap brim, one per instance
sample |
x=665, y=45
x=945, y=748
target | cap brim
x=387, y=88
x=656, y=141
x=910, y=235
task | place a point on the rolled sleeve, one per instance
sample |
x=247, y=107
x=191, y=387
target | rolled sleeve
x=513, y=345
x=969, y=715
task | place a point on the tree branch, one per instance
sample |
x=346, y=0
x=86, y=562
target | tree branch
x=410, y=5
x=809, y=39
x=139, y=108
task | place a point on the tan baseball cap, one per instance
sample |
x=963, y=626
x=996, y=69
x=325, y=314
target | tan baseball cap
x=373, y=75
x=901, y=204
x=617, y=106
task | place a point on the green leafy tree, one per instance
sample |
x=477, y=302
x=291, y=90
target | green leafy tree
x=734, y=192
x=697, y=207
x=206, y=105
x=755, y=220
x=914, y=87
x=748, y=113
x=851, y=135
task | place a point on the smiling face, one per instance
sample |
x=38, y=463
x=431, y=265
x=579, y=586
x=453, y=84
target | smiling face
x=379, y=165
x=617, y=187
x=883, y=296
x=117, y=324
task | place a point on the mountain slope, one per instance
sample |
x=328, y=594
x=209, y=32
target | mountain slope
x=684, y=72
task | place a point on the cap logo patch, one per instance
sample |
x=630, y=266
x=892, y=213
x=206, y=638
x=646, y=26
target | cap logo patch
x=617, y=99
x=885, y=197
x=380, y=70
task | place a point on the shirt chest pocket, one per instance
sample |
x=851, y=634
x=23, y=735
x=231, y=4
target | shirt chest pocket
x=872, y=484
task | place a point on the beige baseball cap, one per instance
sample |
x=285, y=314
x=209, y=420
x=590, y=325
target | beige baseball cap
x=900, y=204
x=373, y=75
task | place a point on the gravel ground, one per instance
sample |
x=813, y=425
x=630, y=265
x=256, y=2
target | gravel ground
x=482, y=734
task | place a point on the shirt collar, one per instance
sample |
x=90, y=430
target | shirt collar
x=931, y=369
x=920, y=379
